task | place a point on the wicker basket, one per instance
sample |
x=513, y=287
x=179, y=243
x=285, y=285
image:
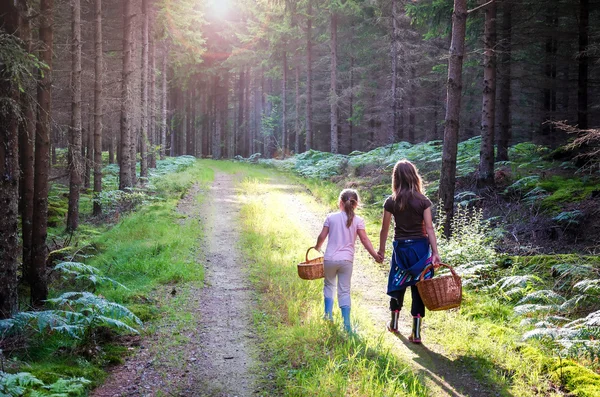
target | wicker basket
x=311, y=269
x=441, y=293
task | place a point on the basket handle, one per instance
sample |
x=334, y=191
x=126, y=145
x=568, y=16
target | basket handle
x=308, y=250
x=439, y=264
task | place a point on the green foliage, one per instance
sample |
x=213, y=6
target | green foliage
x=17, y=66
x=24, y=384
x=76, y=271
x=427, y=156
x=469, y=242
x=77, y=316
x=569, y=218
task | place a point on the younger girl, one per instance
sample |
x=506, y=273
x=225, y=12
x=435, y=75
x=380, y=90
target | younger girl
x=414, y=237
x=342, y=228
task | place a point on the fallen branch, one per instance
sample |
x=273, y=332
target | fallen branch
x=480, y=6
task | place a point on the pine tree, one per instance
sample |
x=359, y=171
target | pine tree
x=75, y=158
x=455, y=64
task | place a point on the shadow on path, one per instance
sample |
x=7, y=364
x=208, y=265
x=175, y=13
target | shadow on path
x=452, y=376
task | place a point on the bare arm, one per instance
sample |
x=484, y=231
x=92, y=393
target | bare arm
x=435, y=256
x=322, y=237
x=364, y=239
x=383, y=234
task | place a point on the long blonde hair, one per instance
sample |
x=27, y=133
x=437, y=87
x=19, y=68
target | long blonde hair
x=406, y=181
x=350, y=199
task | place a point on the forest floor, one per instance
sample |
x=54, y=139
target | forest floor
x=208, y=347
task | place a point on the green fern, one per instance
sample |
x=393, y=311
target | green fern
x=77, y=316
x=82, y=272
x=591, y=287
x=534, y=309
x=26, y=384
x=525, y=281
x=542, y=296
x=17, y=384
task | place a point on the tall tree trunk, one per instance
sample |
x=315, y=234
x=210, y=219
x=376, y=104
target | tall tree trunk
x=455, y=65
x=297, y=118
x=412, y=105
x=216, y=141
x=242, y=130
x=125, y=177
x=26, y=154
x=144, y=84
x=246, y=109
x=351, y=115
x=111, y=147
x=225, y=112
x=258, y=95
x=333, y=100
x=504, y=69
x=39, y=252
x=309, y=132
x=163, y=113
x=284, y=133
x=89, y=161
x=582, y=81
x=75, y=163
x=152, y=93
x=394, y=89
x=485, y=177
x=9, y=183
x=550, y=70
x=98, y=104
x=193, y=118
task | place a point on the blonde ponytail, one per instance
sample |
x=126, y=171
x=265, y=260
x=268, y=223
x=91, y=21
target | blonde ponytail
x=349, y=197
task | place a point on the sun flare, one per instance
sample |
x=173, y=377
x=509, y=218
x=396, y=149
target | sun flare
x=219, y=8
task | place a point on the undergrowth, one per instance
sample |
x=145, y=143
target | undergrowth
x=523, y=322
x=64, y=349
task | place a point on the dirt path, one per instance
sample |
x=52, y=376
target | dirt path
x=442, y=375
x=204, y=345
x=226, y=300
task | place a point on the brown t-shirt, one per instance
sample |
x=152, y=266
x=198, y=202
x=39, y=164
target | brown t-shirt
x=409, y=222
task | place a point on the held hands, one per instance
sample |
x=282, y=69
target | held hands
x=436, y=260
x=377, y=256
x=380, y=256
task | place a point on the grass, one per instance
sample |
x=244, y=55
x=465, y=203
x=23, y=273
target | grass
x=145, y=250
x=304, y=354
x=484, y=334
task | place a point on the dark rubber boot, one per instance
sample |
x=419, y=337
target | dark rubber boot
x=393, y=324
x=415, y=336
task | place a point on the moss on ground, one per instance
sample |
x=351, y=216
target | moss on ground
x=580, y=381
x=566, y=190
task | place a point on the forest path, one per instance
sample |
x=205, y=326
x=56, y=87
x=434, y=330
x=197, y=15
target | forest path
x=443, y=376
x=203, y=346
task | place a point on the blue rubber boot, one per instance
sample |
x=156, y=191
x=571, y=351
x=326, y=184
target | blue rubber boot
x=346, y=316
x=328, y=309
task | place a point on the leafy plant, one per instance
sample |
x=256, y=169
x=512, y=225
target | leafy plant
x=470, y=241
x=77, y=315
x=89, y=274
x=26, y=384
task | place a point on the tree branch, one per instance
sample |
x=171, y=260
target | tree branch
x=480, y=6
